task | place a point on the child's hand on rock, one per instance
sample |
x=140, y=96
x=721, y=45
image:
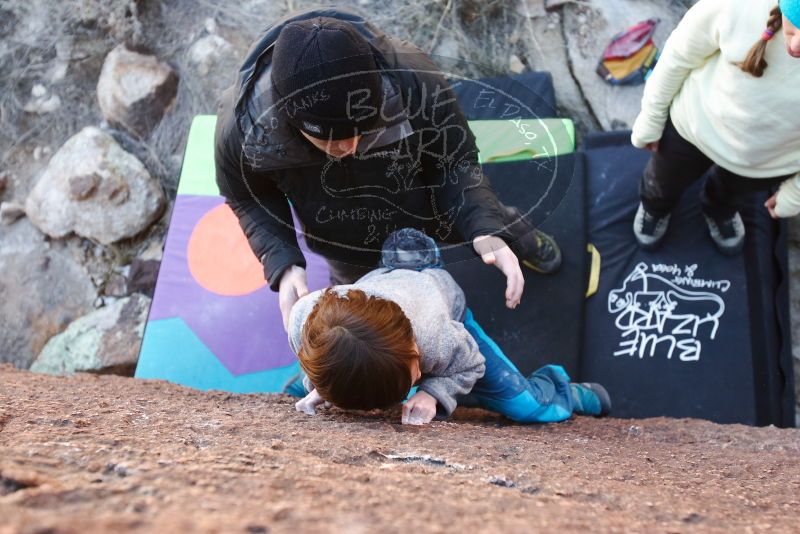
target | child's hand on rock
x=420, y=409
x=309, y=403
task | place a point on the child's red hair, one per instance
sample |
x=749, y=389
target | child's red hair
x=357, y=350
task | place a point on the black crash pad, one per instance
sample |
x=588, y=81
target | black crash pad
x=546, y=326
x=684, y=331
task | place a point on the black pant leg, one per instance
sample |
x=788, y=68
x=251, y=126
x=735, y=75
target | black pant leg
x=671, y=170
x=725, y=191
x=342, y=273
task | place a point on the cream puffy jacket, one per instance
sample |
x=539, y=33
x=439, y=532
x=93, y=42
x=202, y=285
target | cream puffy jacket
x=747, y=125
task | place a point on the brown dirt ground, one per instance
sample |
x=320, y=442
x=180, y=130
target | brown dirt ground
x=102, y=453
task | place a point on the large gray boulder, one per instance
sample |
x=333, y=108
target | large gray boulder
x=589, y=27
x=211, y=65
x=96, y=189
x=104, y=341
x=10, y=212
x=209, y=53
x=135, y=90
x=42, y=290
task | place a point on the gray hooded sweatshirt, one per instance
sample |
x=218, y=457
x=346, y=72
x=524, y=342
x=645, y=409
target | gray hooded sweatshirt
x=434, y=304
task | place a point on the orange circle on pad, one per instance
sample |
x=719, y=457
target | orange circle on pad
x=219, y=256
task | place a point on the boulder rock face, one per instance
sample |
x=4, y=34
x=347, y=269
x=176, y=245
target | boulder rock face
x=112, y=454
x=135, y=90
x=547, y=50
x=10, y=212
x=589, y=28
x=211, y=66
x=96, y=189
x=209, y=52
x=42, y=290
x=104, y=341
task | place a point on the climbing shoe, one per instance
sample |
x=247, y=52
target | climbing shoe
x=535, y=249
x=649, y=229
x=590, y=398
x=727, y=233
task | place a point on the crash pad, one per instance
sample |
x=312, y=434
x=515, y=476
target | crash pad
x=684, y=331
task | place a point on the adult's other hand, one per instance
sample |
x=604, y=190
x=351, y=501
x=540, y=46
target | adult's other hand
x=770, y=205
x=293, y=285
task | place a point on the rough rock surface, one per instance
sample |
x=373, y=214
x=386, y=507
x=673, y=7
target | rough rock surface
x=142, y=276
x=10, y=212
x=94, y=188
x=58, y=49
x=42, y=289
x=93, y=453
x=545, y=42
x=104, y=341
x=208, y=52
x=209, y=61
x=589, y=27
x=135, y=90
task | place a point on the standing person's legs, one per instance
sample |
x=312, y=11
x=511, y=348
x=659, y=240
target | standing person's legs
x=675, y=166
x=722, y=195
x=672, y=168
x=546, y=396
x=725, y=191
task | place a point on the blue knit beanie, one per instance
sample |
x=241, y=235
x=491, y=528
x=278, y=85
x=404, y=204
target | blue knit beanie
x=791, y=9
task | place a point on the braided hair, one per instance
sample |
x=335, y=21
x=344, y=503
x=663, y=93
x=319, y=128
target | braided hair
x=755, y=63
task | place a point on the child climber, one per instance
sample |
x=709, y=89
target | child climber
x=363, y=346
x=718, y=101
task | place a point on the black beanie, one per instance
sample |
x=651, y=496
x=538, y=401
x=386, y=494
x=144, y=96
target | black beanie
x=319, y=63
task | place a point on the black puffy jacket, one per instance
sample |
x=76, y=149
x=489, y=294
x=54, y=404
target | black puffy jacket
x=419, y=169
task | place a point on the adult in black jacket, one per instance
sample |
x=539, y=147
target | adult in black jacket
x=360, y=134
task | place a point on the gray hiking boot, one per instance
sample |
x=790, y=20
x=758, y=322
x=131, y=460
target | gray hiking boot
x=728, y=234
x=649, y=229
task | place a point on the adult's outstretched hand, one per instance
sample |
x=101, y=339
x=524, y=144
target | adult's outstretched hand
x=293, y=285
x=495, y=251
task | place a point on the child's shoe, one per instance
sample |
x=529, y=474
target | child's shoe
x=727, y=233
x=649, y=229
x=590, y=398
x=294, y=386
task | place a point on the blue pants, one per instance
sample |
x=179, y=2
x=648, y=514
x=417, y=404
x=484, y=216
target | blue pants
x=543, y=397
